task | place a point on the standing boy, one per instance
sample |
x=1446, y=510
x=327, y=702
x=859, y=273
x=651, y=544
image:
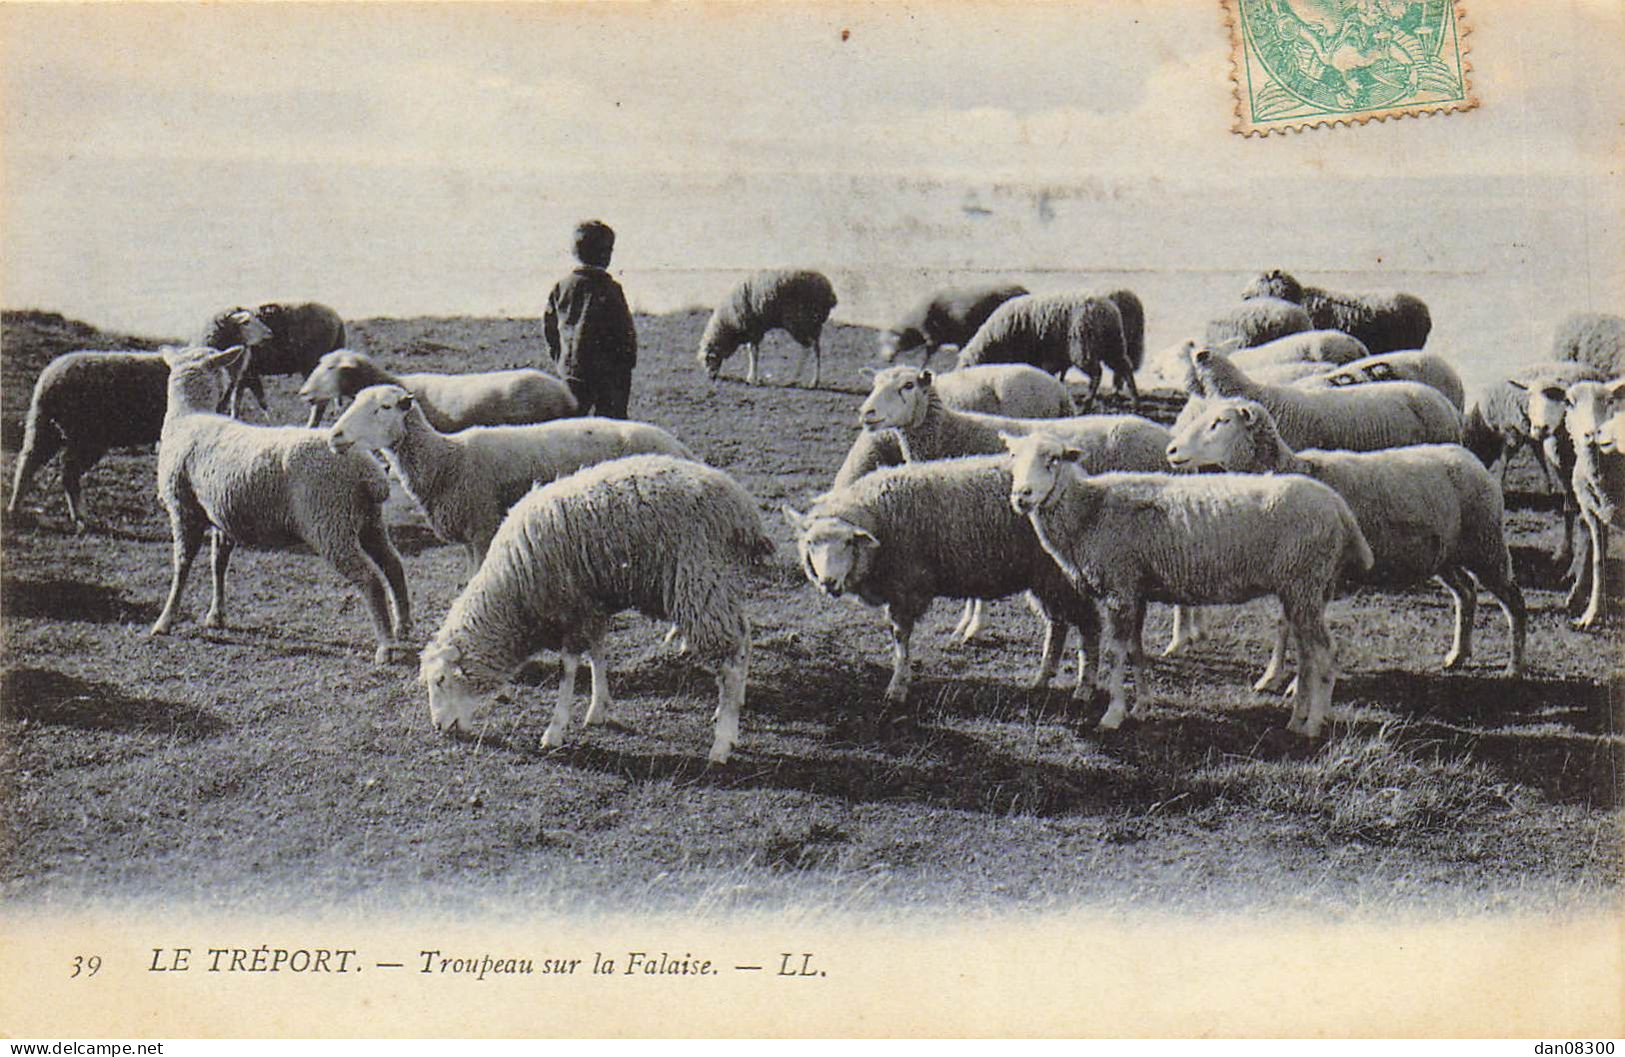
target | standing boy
x=589, y=328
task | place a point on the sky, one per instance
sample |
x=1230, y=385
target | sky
x=158, y=161
x=956, y=87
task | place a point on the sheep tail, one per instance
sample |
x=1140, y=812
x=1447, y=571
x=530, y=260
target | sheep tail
x=1356, y=551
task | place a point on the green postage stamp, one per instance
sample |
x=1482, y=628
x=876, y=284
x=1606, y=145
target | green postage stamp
x=1300, y=63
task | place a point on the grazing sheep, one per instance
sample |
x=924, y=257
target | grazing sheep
x=1054, y=332
x=796, y=302
x=1257, y=321
x=1127, y=538
x=905, y=535
x=84, y=405
x=1596, y=339
x=1408, y=366
x=450, y=402
x=1427, y=510
x=1355, y=418
x=1387, y=321
x=269, y=486
x=668, y=537
x=285, y=338
x=1013, y=389
x=947, y=317
x=466, y=481
x=905, y=399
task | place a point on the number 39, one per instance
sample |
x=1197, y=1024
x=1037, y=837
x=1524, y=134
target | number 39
x=87, y=966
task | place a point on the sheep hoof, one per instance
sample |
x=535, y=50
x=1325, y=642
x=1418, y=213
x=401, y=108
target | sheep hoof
x=1586, y=621
x=160, y=628
x=1175, y=647
x=552, y=740
x=719, y=754
x=1454, y=660
x=1113, y=718
x=391, y=653
x=214, y=620
x=1513, y=670
x=1270, y=683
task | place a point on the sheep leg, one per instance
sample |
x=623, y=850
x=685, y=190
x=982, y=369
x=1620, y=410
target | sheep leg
x=1088, y=654
x=752, y=356
x=1185, y=631
x=1121, y=624
x=600, y=709
x=1274, y=677
x=1092, y=372
x=186, y=528
x=220, y=550
x=1123, y=378
x=1050, y=657
x=1319, y=673
x=359, y=568
x=1465, y=594
x=75, y=461
x=317, y=410
x=39, y=444
x=1579, y=571
x=1508, y=595
x=730, y=699
x=902, y=627
x=553, y=736
x=974, y=620
x=818, y=363
x=1595, y=611
x=376, y=544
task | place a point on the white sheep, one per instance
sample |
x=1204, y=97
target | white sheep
x=465, y=482
x=1284, y=359
x=1014, y=389
x=905, y=535
x=1427, y=510
x=450, y=402
x=670, y=538
x=1355, y=418
x=1592, y=421
x=1385, y=321
x=84, y=405
x=1408, y=366
x=1055, y=332
x=905, y=399
x=284, y=338
x=1127, y=538
x=947, y=317
x=1596, y=339
x=1256, y=321
x=797, y=302
x=269, y=486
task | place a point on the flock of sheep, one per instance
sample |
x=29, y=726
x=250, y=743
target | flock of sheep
x=1321, y=445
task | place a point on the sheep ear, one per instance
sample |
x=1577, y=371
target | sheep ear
x=1072, y=455
x=406, y=401
x=1514, y=383
x=1554, y=393
x=796, y=518
x=1200, y=353
x=1246, y=414
x=865, y=539
x=226, y=357
x=925, y=377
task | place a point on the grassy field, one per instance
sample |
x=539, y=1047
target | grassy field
x=271, y=766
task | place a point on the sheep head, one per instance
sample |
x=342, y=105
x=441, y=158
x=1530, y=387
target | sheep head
x=1222, y=436
x=1544, y=406
x=717, y=343
x=1040, y=461
x=1274, y=283
x=1592, y=411
x=202, y=378
x=454, y=703
x=335, y=372
x=377, y=419
x=834, y=553
x=898, y=399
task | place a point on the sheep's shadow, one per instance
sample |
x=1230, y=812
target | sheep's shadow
x=74, y=601
x=46, y=697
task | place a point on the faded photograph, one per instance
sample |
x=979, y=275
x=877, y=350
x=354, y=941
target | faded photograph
x=854, y=465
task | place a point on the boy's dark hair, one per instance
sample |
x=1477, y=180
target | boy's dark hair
x=594, y=243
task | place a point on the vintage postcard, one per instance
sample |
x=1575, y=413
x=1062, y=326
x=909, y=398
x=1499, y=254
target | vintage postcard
x=682, y=519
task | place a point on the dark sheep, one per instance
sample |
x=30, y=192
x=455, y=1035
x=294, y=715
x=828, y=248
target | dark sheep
x=1596, y=339
x=283, y=338
x=1257, y=321
x=85, y=404
x=1386, y=321
x=950, y=316
x=1056, y=331
x=797, y=302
